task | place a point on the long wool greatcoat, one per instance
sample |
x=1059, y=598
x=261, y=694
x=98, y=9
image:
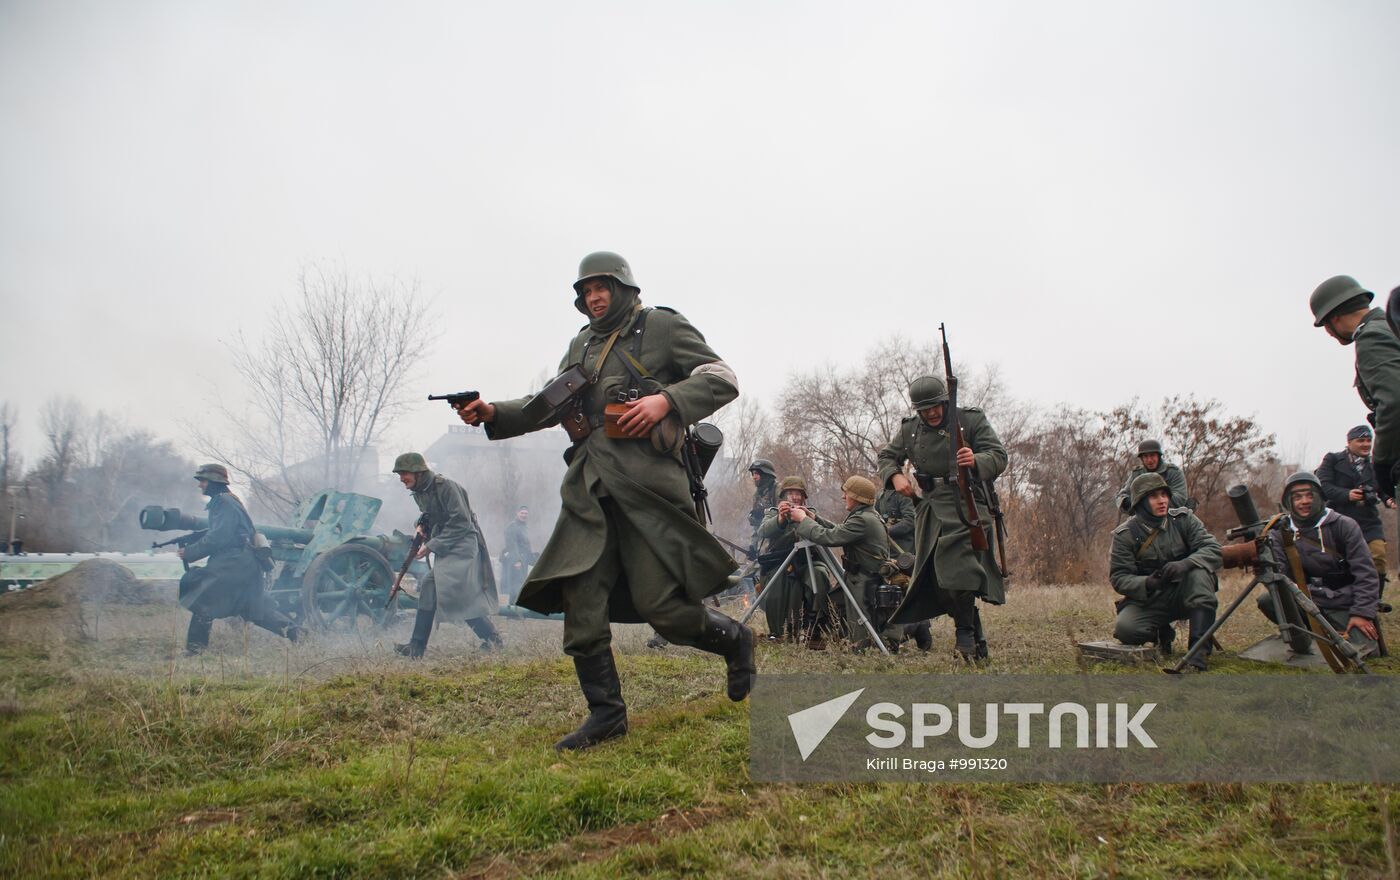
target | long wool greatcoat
x=461, y=579
x=647, y=485
x=942, y=546
x=230, y=583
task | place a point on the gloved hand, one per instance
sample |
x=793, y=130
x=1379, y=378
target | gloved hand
x=1154, y=582
x=1174, y=571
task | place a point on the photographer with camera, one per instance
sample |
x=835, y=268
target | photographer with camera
x=1348, y=480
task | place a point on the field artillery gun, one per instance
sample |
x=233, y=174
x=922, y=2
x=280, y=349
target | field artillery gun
x=330, y=572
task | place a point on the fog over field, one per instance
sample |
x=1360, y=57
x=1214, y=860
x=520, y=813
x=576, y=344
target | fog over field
x=1103, y=199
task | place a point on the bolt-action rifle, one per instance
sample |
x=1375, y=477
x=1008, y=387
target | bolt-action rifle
x=420, y=535
x=967, y=506
x=181, y=541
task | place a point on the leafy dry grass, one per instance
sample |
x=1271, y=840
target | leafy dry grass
x=336, y=758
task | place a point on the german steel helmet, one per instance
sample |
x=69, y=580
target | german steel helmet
x=214, y=473
x=764, y=466
x=1300, y=477
x=927, y=391
x=1332, y=293
x=1148, y=447
x=793, y=483
x=860, y=489
x=1145, y=485
x=410, y=462
x=605, y=263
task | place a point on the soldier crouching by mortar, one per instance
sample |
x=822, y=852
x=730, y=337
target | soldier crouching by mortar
x=1164, y=564
x=628, y=545
x=792, y=609
x=1327, y=552
x=865, y=545
x=231, y=583
x=949, y=574
x=460, y=584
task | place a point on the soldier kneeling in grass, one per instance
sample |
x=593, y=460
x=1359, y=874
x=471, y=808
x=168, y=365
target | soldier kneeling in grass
x=1164, y=564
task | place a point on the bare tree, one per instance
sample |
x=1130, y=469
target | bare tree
x=1217, y=451
x=61, y=421
x=322, y=385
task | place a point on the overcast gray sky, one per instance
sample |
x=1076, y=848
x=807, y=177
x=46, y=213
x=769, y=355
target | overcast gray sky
x=1053, y=180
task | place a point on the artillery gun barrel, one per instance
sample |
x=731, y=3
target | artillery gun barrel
x=169, y=519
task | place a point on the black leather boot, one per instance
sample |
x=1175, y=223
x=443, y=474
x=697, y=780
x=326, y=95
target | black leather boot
x=1201, y=620
x=963, y=611
x=274, y=621
x=734, y=642
x=607, y=714
x=487, y=632
x=418, y=642
x=197, y=637
x=1165, y=634
x=982, y=653
x=923, y=635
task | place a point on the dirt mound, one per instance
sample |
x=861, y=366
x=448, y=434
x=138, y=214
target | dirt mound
x=54, y=609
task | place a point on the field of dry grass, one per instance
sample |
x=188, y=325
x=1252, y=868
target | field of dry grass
x=335, y=757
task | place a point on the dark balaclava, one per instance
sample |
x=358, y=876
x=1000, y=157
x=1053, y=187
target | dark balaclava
x=1144, y=512
x=1318, y=509
x=621, y=307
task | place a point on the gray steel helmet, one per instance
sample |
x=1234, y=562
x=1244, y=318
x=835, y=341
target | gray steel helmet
x=1300, y=477
x=605, y=263
x=1147, y=447
x=410, y=462
x=1332, y=294
x=764, y=466
x=927, y=391
x=214, y=473
x=793, y=483
x=1144, y=485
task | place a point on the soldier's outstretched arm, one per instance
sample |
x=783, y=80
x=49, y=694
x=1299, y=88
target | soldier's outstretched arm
x=849, y=532
x=507, y=417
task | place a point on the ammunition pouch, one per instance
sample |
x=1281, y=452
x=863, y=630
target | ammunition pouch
x=926, y=481
x=555, y=399
x=575, y=423
x=611, y=413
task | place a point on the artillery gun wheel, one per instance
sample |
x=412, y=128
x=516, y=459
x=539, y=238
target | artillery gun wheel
x=345, y=584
